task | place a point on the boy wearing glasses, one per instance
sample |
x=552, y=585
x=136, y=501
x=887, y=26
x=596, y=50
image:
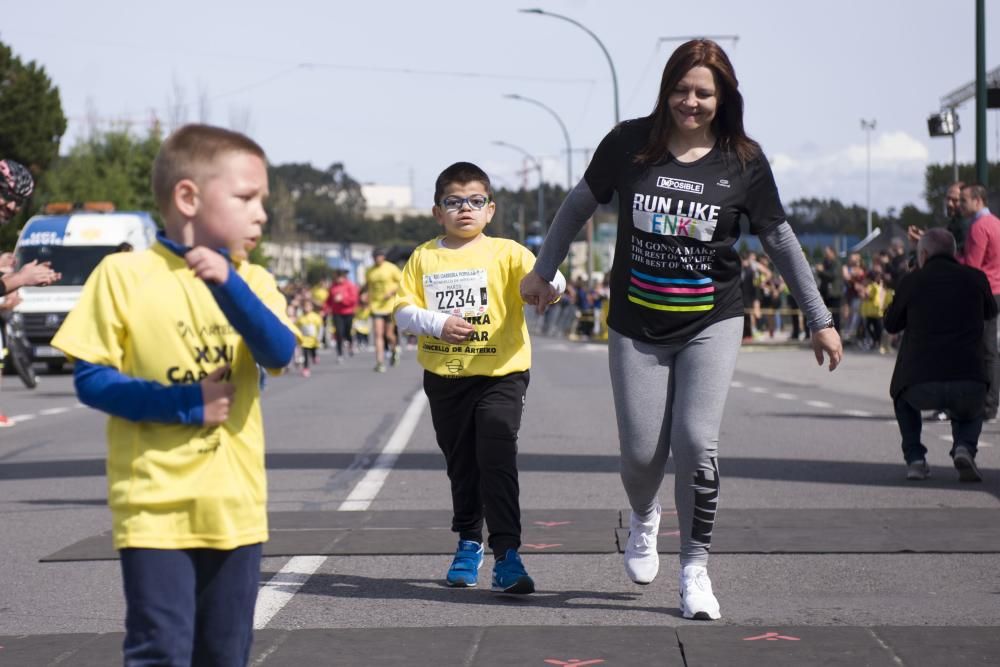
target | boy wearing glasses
x=460, y=294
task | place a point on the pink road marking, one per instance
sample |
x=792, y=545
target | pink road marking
x=573, y=662
x=771, y=637
x=552, y=524
x=674, y=290
x=670, y=533
x=541, y=546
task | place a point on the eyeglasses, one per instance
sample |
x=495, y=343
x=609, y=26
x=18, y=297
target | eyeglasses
x=475, y=202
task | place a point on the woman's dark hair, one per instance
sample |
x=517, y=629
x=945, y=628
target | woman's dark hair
x=728, y=123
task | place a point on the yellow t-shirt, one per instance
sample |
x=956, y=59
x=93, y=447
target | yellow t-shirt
x=481, y=283
x=310, y=325
x=362, y=322
x=319, y=295
x=175, y=486
x=382, y=282
x=873, y=304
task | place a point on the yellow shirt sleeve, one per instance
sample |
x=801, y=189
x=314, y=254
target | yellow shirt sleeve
x=410, y=291
x=262, y=284
x=94, y=330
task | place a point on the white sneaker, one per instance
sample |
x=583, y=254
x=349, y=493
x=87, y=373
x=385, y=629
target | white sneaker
x=642, y=562
x=697, y=600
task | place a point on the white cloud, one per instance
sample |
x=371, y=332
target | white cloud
x=898, y=162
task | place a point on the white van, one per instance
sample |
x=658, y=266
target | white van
x=74, y=241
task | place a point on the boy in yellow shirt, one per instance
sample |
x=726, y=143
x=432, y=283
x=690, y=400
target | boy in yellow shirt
x=310, y=324
x=168, y=342
x=460, y=293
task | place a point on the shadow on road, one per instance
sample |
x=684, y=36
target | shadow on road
x=848, y=473
x=346, y=586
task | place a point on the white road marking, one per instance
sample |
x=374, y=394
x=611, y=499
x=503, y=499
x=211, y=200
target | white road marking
x=786, y=397
x=283, y=586
x=757, y=390
x=47, y=412
x=947, y=438
x=367, y=488
x=857, y=413
x=819, y=404
x=736, y=384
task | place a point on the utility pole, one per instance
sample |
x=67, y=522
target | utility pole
x=868, y=126
x=982, y=166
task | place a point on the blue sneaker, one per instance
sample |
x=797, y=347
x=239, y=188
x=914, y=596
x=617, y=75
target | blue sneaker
x=509, y=575
x=464, y=570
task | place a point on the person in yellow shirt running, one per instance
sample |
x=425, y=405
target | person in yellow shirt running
x=167, y=342
x=459, y=293
x=310, y=324
x=381, y=284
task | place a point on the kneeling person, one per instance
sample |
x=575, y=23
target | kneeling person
x=943, y=307
x=459, y=292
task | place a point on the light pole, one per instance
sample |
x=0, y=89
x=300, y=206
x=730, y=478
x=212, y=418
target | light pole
x=614, y=75
x=538, y=167
x=868, y=126
x=562, y=126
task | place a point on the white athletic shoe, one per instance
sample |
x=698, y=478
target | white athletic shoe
x=697, y=600
x=642, y=562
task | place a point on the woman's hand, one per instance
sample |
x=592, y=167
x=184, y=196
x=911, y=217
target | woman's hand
x=827, y=341
x=538, y=292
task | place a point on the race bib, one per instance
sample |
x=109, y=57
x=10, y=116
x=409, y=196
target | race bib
x=308, y=330
x=460, y=293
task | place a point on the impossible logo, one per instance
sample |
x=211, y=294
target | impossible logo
x=680, y=185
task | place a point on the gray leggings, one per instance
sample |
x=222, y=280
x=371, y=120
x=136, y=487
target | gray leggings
x=671, y=397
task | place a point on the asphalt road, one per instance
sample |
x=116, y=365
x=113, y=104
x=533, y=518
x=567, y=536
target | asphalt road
x=794, y=436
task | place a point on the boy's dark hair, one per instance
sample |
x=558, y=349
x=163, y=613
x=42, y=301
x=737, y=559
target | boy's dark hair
x=190, y=151
x=462, y=173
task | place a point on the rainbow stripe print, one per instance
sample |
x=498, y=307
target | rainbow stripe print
x=677, y=295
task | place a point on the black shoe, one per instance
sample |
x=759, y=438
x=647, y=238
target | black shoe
x=966, y=465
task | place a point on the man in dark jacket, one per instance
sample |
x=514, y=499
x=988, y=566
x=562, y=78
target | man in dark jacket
x=943, y=307
x=831, y=283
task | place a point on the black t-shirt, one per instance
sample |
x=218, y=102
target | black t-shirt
x=676, y=269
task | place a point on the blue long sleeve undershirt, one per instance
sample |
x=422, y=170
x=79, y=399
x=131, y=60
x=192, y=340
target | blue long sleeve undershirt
x=109, y=390
x=270, y=342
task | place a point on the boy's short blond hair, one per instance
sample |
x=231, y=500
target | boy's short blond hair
x=189, y=152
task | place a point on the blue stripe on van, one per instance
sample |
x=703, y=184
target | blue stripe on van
x=49, y=230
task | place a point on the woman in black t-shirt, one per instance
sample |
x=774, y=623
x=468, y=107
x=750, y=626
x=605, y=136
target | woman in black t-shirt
x=684, y=175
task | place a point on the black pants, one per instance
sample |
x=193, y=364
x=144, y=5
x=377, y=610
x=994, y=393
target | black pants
x=962, y=400
x=308, y=353
x=342, y=331
x=992, y=364
x=476, y=420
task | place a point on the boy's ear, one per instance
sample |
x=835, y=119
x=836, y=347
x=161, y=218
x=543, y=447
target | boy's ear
x=186, y=197
x=438, y=214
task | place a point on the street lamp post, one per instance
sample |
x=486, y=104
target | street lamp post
x=538, y=167
x=614, y=75
x=562, y=126
x=868, y=126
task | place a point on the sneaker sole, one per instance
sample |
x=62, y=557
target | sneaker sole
x=461, y=584
x=967, y=471
x=523, y=586
x=698, y=615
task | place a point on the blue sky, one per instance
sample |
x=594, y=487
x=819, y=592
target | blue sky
x=397, y=90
